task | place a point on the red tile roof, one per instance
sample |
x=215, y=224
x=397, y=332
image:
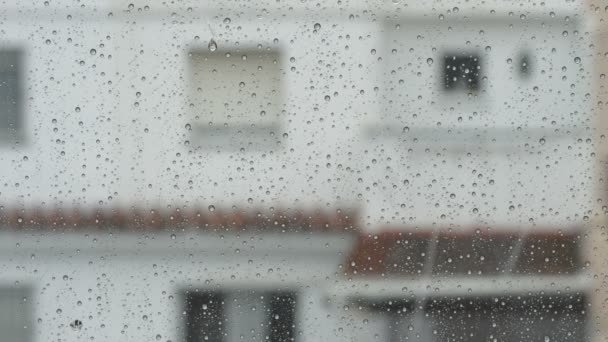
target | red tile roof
x=140, y=218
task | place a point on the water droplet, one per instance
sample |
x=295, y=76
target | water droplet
x=227, y=21
x=317, y=27
x=93, y=52
x=76, y=324
x=429, y=61
x=211, y=208
x=212, y=46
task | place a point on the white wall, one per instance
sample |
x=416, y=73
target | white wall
x=116, y=280
x=349, y=151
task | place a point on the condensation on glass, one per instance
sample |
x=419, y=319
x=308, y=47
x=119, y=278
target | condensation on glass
x=296, y=171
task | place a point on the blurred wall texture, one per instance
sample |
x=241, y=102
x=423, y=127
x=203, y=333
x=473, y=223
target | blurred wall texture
x=303, y=171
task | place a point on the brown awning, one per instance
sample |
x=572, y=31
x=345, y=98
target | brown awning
x=467, y=252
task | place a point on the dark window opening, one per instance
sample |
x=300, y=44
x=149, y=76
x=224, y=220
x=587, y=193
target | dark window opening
x=461, y=72
x=282, y=317
x=475, y=318
x=230, y=316
x=204, y=313
x=10, y=94
x=509, y=319
x=524, y=65
x=15, y=314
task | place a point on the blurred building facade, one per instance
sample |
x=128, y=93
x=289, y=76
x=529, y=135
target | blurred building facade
x=357, y=171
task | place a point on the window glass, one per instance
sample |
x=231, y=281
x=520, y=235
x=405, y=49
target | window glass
x=236, y=97
x=303, y=171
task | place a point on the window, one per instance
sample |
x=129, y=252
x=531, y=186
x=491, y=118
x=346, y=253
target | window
x=10, y=94
x=461, y=72
x=204, y=317
x=524, y=66
x=236, y=97
x=477, y=318
x=509, y=319
x=15, y=314
x=240, y=315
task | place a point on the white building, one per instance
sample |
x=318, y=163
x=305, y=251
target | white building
x=461, y=128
